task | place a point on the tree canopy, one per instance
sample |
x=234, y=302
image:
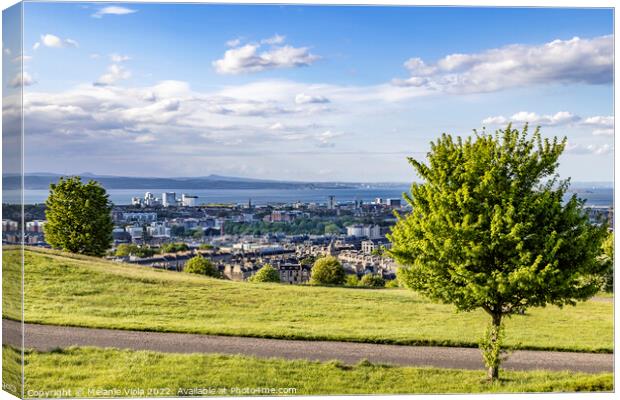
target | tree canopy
x=201, y=266
x=266, y=274
x=489, y=228
x=327, y=271
x=78, y=217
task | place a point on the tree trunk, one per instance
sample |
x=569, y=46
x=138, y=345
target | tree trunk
x=493, y=372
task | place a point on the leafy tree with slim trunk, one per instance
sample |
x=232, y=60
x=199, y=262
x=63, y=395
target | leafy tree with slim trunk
x=489, y=229
x=78, y=217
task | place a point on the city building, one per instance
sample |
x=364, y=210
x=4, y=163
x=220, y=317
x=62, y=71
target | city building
x=368, y=231
x=169, y=199
x=331, y=202
x=158, y=230
x=368, y=246
x=136, y=232
x=189, y=200
x=8, y=225
x=146, y=217
x=394, y=203
x=35, y=226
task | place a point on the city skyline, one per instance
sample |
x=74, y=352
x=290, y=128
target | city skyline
x=305, y=93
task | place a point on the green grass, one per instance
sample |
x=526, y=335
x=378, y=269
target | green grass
x=82, y=291
x=79, y=369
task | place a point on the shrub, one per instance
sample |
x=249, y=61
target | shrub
x=327, y=271
x=370, y=280
x=352, y=281
x=266, y=274
x=174, y=247
x=201, y=266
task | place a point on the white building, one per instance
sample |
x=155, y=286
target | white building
x=158, y=230
x=368, y=231
x=35, y=226
x=136, y=201
x=368, y=246
x=135, y=231
x=140, y=216
x=331, y=202
x=189, y=200
x=150, y=200
x=169, y=199
x=9, y=225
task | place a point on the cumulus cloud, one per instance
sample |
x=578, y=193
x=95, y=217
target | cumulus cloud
x=251, y=58
x=275, y=39
x=595, y=149
x=576, y=60
x=559, y=118
x=22, y=79
x=112, y=10
x=49, y=40
x=233, y=42
x=602, y=124
x=114, y=74
x=36, y=45
x=303, y=98
x=118, y=58
x=22, y=58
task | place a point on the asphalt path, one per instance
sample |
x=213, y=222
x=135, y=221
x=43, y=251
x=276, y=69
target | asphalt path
x=48, y=337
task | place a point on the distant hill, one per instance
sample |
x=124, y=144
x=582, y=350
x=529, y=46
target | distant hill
x=40, y=181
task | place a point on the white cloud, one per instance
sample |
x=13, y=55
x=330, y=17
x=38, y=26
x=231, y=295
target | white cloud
x=325, y=138
x=576, y=60
x=118, y=58
x=275, y=39
x=603, y=132
x=36, y=45
x=595, y=149
x=249, y=58
x=233, y=42
x=113, y=10
x=303, y=98
x=145, y=139
x=497, y=120
x=22, y=58
x=95, y=56
x=50, y=40
x=601, y=121
x=7, y=51
x=22, y=79
x=559, y=118
x=114, y=74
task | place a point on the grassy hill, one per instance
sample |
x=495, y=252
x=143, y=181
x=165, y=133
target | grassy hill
x=72, y=290
x=78, y=369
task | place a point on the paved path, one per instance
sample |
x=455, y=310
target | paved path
x=47, y=337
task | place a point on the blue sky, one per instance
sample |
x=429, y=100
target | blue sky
x=306, y=92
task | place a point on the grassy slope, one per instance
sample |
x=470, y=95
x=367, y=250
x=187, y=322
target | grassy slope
x=82, y=291
x=83, y=368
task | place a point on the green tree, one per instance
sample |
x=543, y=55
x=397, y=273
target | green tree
x=78, y=217
x=332, y=229
x=201, y=266
x=327, y=271
x=174, y=247
x=607, y=261
x=372, y=280
x=266, y=274
x=489, y=229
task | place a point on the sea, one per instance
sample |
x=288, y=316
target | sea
x=596, y=196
